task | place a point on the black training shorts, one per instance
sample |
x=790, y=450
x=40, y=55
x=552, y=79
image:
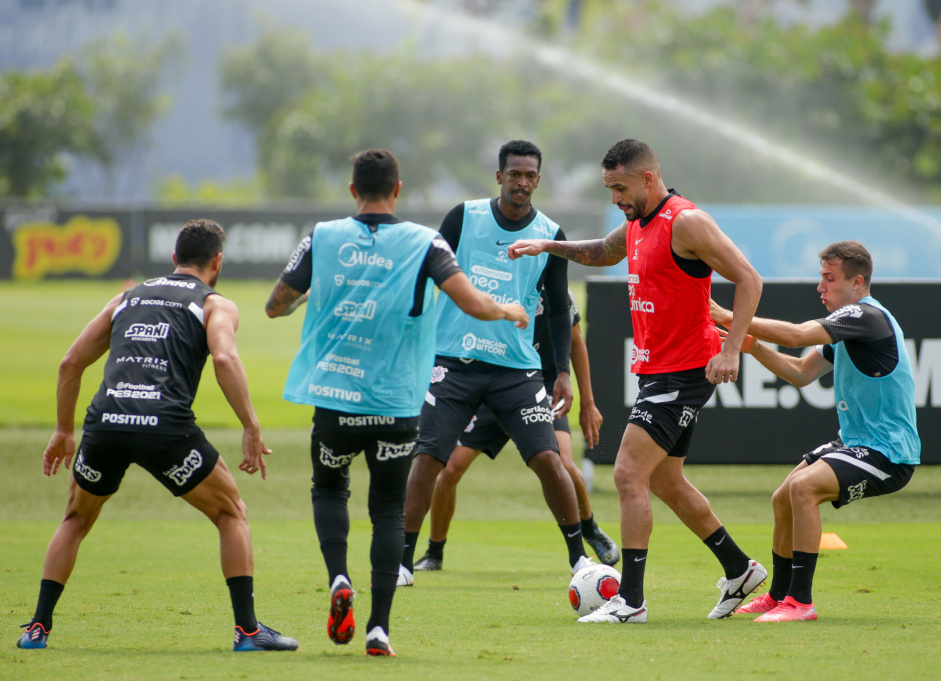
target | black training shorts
x=337, y=437
x=861, y=472
x=668, y=405
x=179, y=462
x=520, y=403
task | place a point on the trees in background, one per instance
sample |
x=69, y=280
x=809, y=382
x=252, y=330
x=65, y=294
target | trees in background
x=125, y=78
x=43, y=117
x=99, y=106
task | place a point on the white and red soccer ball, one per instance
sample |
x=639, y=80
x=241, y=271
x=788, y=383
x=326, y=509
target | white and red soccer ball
x=592, y=586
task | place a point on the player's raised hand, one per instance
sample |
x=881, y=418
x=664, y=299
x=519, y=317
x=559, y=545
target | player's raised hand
x=526, y=247
x=254, y=452
x=719, y=314
x=516, y=313
x=747, y=345
x=61, y=447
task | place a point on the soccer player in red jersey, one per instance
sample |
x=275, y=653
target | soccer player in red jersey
x=672, y=248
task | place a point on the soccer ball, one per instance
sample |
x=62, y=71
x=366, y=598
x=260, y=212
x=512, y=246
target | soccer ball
x=592, y=586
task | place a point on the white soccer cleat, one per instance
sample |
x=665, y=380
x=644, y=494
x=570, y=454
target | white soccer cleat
x=582, y=563
x=617, y=611
x=735, y=590
x=406, y=578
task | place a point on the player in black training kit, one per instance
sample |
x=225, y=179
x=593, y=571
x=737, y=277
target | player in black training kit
x=159, y=334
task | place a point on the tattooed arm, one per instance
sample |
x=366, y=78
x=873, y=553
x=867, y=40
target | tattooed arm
x=283, y=300
x=594, y=252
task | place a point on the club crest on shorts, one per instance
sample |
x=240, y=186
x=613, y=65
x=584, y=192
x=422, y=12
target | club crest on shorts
x=437, y=374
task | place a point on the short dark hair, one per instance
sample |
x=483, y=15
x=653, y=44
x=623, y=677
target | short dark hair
x=519, y=148
x=856, y=259
x=375, y=173
x=628, y=153
x=198, y=243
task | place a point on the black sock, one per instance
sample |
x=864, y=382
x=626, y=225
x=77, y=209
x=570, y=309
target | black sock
x=589, y=527
x=408, y=553
x=780, y=577
x=633, y=563
x=242, y=592
x=573, y=540
x=381, y=607
x=802, y=577
x=436, y=549
x=733, y=559
x=49, y=592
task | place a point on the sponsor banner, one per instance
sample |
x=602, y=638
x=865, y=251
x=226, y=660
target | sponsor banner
x=42, y=241
x=761, y=418
x=258, y=244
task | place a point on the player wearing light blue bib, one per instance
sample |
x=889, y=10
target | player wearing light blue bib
x=874, y=391
x=480, y=364
x=366, y=354
x=491, y=271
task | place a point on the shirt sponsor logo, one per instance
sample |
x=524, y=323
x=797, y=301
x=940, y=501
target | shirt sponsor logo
x=180, y=474
x=340, y=368
x=854, y=311
x=351, y=255
x=639, y=355
x=158, y=302
x=642, y=306
x=334, y=393
x=133, y=392
x=130, y=419
x=633, y=278
x=367, y=421
x=667, y=214
x=355, y=312
x=491, y=273
x=472, y=342
x=163, y=281
x=298, y=254
x=85, y=470
x=148, y=332
x=392, y=450
x=154, y=363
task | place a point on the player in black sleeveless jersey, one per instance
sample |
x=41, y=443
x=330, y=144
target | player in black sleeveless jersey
x=159, y=334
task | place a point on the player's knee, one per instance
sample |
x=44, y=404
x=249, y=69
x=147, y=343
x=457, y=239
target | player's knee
x=782, y=496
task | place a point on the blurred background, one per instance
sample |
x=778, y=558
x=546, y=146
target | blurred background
x=795, y=122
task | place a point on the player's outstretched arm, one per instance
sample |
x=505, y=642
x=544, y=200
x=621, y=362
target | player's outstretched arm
x=798, y=371
x=284, y=300
x=589, y=418
x=776, y=331
x=595, y=252
x=479, y=305
x=222, y=320
x=91, y=344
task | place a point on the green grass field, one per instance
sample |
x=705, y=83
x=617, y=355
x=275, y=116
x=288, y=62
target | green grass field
x=147, y=599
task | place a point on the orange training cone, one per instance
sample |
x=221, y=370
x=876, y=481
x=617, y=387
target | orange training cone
x=829, y=540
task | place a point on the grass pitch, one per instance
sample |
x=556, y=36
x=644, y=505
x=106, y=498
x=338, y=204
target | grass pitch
x=147, y=599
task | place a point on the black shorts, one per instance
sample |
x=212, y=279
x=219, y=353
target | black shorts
x=337, y=437
x=860, y=471
x=520, y=403
x=179, y=462
x=485, y=434
x=668, y=405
